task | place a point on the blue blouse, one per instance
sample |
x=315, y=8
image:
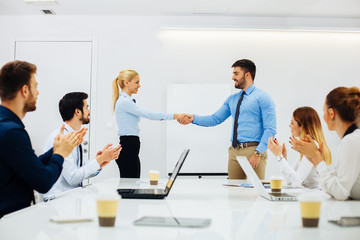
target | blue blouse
x=128, y=114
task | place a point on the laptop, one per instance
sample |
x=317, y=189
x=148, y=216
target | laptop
x=141, y=193
x=251, y=175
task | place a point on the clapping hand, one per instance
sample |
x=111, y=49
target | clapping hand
x=308, y=148
x=107, y=154
x=275, y=147
x=64, y=144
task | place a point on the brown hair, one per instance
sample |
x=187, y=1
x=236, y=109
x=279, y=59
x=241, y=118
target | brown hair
x=346, y=102
x=14, y=75
x=247, y=66
x=124, y=75
x=310, y=123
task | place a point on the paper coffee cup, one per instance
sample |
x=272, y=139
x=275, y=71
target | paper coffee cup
x=310, y=206
x=107, y=205
x=276, y=184
x=154, y=177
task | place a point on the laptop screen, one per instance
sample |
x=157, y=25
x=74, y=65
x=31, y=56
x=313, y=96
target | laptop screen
x=176, y=170
x=251, y=175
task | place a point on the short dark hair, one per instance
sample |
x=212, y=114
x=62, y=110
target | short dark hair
x=70, y=102
x=14, y=75
x=247, y=65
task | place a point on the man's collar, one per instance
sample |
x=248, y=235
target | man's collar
x=250, y=89
x=68, y=128
x=11, y=115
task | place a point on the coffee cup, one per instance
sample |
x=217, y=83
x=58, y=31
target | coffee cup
x=310, y=206
x=154, y=177
x=107, y=205
x=276, y=184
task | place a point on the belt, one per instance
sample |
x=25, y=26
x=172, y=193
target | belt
x=247, y=144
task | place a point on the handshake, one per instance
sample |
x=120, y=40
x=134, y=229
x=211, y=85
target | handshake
x=184, y=118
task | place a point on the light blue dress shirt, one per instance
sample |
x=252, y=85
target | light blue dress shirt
x=128, y=115
x=72, y=173
x=257, y=119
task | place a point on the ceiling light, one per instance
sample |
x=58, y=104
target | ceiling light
x=41, y=2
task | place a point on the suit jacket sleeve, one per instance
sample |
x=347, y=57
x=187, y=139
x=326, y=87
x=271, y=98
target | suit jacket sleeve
x=38, y=172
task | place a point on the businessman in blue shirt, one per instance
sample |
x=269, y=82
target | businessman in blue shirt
x=21, y=171
x=254, y=123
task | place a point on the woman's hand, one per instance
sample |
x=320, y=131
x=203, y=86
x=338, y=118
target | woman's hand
x=65, y=144
x=308, y=148
x=275, y=147
x=284, y=151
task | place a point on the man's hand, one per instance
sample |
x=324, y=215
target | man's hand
x=107, y=154
x=254, y=160
x=64, y=144
x=186, y=119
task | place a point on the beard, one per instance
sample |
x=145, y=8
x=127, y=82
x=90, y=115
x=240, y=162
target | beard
x=85, y=120
x=30, y=104
x=240, y=84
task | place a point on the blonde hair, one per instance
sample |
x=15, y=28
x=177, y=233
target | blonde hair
x=310, y=123
x=118, y=83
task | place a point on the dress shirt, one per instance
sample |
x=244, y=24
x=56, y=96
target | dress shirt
x=257, y=119
x=343, y=181
x=21, y=171
x=128, y=115
x=302, y=173
x=72, y=174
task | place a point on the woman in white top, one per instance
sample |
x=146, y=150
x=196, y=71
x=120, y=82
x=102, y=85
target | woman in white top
x=341, y=114
x=128, y=114
x=304, y=120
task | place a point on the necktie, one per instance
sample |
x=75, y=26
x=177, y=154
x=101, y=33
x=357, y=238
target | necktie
x=81, y=155
x=234, y=141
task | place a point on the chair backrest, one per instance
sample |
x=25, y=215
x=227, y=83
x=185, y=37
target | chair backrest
x=38, y=197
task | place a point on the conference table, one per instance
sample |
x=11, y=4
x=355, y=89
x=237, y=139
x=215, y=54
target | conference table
x=235, y=213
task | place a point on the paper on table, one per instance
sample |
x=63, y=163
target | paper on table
x=70, y=219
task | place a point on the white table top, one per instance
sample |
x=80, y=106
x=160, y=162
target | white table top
x=235, y=213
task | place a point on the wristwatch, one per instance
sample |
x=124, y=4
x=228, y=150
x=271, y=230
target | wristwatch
x=278, y=158
x=257, y=153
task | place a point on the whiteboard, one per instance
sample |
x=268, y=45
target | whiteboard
x=295, y=68
x=208, y=145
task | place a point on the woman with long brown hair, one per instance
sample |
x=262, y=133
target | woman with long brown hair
x=341, y=114
x=305, y=120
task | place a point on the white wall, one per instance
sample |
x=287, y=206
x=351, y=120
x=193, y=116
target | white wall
x=139, y=43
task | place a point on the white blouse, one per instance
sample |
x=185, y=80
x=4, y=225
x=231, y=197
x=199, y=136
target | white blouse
x=343, y=181
x=302, y=174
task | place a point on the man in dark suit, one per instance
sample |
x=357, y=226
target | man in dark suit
x=21, y=171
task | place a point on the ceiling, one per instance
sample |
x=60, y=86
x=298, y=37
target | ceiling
x=245, y=8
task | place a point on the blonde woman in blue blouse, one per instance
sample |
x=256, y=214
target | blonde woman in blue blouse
x=128, y=114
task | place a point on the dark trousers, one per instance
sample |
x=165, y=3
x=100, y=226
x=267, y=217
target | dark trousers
x=129, y=161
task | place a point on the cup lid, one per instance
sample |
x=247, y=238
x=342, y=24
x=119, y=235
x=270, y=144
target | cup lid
x=154, y=171
x=310, y=197
x=276, y=177
x=108, y=196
